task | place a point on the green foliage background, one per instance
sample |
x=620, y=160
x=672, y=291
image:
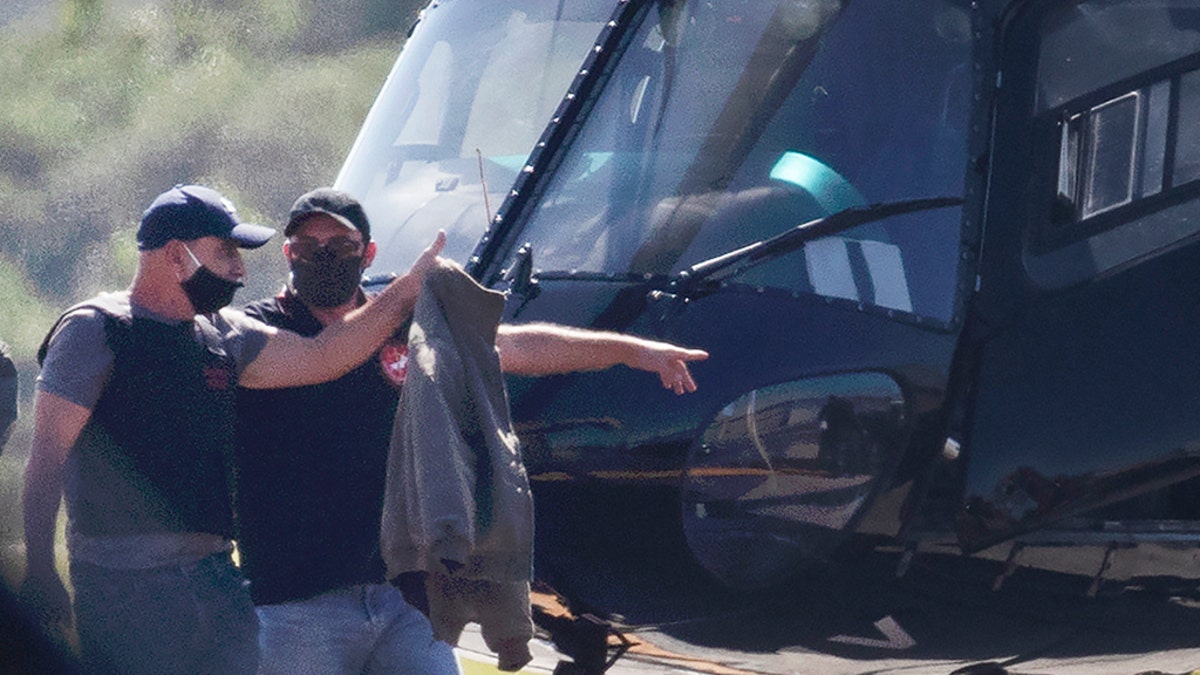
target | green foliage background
x=107, y=104
x=104, y=105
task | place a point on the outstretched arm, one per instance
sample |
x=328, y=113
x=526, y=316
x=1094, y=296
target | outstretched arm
x=548, y=349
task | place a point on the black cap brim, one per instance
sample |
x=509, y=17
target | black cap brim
x=298, y=219
x=251, y=236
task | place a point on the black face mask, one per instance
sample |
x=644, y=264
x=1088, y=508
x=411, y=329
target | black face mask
x=326, y=280
x=209, y=292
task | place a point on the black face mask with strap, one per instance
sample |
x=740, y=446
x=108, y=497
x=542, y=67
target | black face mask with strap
x=209, y=292
x=326, y=280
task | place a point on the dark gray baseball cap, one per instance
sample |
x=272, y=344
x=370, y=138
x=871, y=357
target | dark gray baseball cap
x=340, y=205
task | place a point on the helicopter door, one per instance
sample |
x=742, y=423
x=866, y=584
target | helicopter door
x=1087, y=373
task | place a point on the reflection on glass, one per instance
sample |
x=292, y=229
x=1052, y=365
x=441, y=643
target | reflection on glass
x=1112, y=147
x=461, y=110
x=1158, y=118
x=784, y=469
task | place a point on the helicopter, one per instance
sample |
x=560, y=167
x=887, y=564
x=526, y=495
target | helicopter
x=943, y=254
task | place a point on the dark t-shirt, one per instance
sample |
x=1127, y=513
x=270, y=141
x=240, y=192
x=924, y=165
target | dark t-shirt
x=311, y=464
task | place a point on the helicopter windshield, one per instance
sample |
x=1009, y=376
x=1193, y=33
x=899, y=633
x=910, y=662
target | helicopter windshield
x=721, y=124
x=728, y=123
x=458, y=115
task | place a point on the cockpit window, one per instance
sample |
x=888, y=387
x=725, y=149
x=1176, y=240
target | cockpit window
x=458, y=116
x=728, y=123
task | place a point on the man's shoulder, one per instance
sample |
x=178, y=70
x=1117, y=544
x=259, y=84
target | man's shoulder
x=93, y=319
x=284, y=311
x=114, y=304
x=281, y=311
x=263, y=307
x=88, y=325
x=232, y=320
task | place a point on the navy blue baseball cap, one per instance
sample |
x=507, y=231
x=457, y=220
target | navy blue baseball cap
x=187, y=212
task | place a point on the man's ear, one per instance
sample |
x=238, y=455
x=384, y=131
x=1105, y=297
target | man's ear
x=173, y=250
x=368, y=254
x=176, y=255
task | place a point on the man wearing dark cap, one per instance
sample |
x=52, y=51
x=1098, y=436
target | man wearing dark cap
x=133, y=420
x=312, y=460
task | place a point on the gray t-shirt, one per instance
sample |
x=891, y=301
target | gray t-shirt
x=77, y=366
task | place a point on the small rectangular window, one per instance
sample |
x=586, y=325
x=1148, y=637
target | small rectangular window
x=1112, y=143
x=1116, y=133
x=1117, y=152
x=1158, y=118
x=1187, y=143
x=1068, y=163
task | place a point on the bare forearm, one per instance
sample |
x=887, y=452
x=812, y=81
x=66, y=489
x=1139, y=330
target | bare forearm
x=547, y=349
x=57, y=423
x=40, y=503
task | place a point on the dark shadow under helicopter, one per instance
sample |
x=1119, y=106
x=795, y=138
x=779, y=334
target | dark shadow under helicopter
x=856, y=615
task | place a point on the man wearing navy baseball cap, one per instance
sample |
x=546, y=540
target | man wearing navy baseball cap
x=134, y=421
x=201, y=217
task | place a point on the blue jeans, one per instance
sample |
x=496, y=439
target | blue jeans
x=361, y=629
x=195, y=617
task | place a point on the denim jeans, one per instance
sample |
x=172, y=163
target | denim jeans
x=194, y=617
x=361, y=629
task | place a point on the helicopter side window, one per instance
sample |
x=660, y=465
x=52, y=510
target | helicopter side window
x=1124, y=145
x=1113, y=153
x=1086, y=46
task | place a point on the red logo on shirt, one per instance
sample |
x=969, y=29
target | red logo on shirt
x=394, y=360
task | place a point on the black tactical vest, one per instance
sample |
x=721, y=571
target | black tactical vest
x=155, y=455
